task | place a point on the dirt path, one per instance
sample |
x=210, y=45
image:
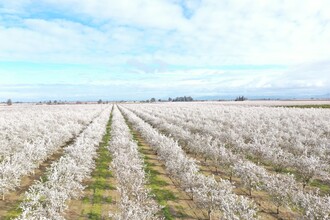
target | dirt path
x=316, y=183
x=261, y=198
x=9, y=207
x=100, y=196
x=267, y=210
x=177, y=204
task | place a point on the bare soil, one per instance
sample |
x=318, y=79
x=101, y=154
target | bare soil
x=183, y=207
x=267, y=210
x=13, y=198
x=10, y=206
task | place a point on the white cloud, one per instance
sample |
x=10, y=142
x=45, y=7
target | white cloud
x=234, y=32
x=163, y=37
x=144, y=13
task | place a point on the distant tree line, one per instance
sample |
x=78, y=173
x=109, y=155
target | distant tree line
x=59, y=102
x=240, y=98
x=183, y=99
x=177, y=99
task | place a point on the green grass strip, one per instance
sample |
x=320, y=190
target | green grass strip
x=324, y=188
x=14, y=212
x=155, y=183
x=99, y=177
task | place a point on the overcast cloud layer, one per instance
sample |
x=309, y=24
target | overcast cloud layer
x=90, y=49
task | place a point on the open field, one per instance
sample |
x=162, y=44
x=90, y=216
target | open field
x=300, y=103
x=199, y=160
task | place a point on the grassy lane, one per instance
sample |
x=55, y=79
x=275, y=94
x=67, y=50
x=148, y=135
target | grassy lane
x=261, y=198
x=316, y=183
x=176, y=203
x=267, y=210
x=100, y=196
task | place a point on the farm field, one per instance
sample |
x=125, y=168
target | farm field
x=199, y=160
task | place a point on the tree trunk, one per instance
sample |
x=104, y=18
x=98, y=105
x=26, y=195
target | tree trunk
x=304, y=186
x=305, y=183
x=209, y=213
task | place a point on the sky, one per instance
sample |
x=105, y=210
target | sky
x=138, y=49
